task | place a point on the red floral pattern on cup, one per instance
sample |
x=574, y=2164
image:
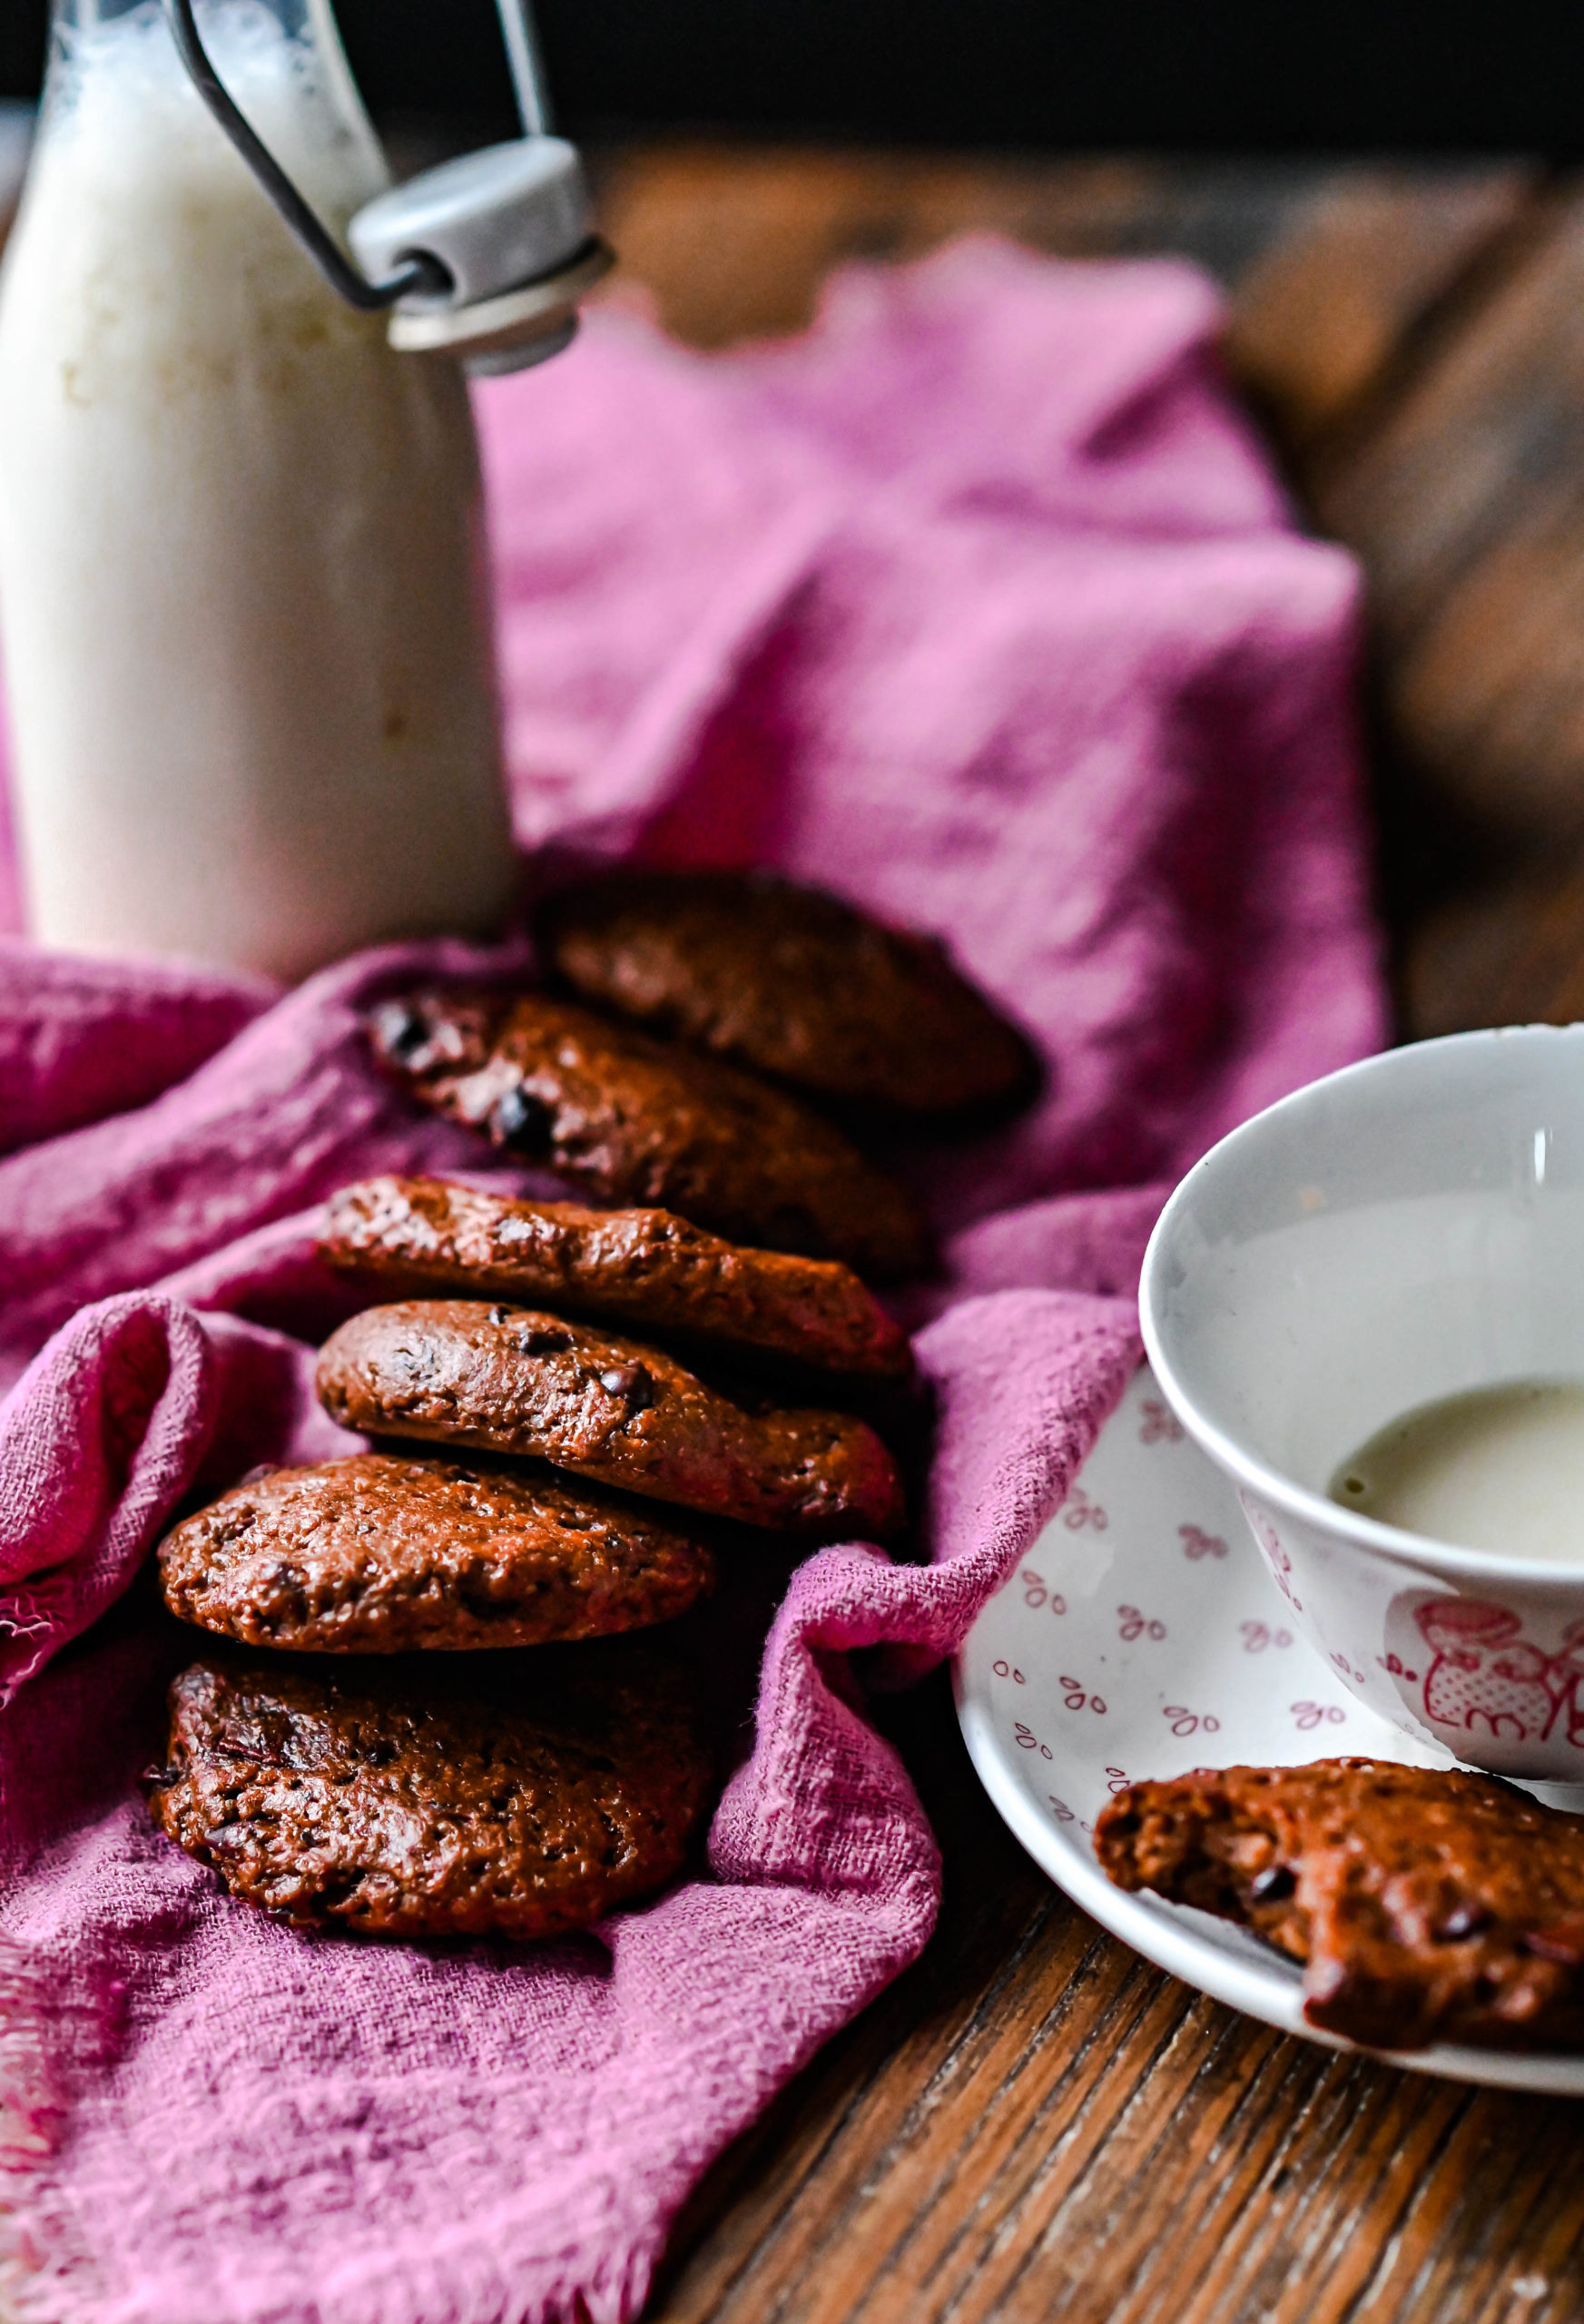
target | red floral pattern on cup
x=1569, y=1691
x=1276, y=1557
x=1485, y=1677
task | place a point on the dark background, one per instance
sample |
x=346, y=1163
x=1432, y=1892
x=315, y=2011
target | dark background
x=1244, y=75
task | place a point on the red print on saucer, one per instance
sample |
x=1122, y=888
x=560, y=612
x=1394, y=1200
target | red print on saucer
x=1161, y=1424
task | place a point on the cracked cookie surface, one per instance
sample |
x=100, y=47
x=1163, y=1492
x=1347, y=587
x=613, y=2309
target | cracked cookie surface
x=630, y=1120
x=794, y=982
x=383, y=1553
x=517, y=1796
x=645, y=1269
x=517, y=1380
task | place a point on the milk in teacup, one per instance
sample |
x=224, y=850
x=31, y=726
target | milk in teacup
x=1499, y=1469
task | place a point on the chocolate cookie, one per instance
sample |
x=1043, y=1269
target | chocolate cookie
x=382, y=1553
x=640, y=1268
x=794, y=982
x=487, y=1794
x=631, y=1120
x=515, y=1380
x=1428, y=1905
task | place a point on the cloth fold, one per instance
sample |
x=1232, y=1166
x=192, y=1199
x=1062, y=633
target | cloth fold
x=979, y=604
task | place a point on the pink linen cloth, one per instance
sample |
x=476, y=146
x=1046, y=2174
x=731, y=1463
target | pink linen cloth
x=980, y=603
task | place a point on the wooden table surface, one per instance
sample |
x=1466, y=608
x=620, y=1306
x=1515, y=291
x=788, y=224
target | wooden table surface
x=1032, y=2124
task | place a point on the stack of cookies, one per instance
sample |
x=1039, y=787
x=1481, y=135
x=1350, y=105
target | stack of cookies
x=509, y=1765
x=733, y=1051
x=419, y=1719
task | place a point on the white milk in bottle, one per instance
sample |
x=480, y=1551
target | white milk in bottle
x=242, y=590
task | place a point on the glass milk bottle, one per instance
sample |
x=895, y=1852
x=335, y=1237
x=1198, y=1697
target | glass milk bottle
x=243, y=589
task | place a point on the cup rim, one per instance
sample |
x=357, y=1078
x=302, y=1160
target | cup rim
x=1246, y=1468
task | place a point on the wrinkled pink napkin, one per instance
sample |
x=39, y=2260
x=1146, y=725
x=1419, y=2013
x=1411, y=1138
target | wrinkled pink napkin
x=980, y=605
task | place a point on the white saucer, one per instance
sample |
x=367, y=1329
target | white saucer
x=1142, y=1636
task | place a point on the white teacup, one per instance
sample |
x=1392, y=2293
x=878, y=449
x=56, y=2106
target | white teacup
x=1405, y=1230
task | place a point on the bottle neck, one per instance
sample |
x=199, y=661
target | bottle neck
x=282, y=60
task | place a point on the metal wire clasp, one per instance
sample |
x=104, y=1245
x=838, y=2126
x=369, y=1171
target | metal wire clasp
x=422, y=274
x=515, y=250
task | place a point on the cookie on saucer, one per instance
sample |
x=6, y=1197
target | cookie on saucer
x=1429, y=1904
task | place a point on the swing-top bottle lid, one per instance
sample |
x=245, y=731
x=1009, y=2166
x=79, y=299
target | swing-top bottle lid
x=495, y=219
x=511, y=227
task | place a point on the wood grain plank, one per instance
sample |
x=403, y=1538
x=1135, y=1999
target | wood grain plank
x=1495, y=2214
x=1334, y=265
x=1330, y=306
x=1461, y=484
x=1467, y=504
x=733, y=243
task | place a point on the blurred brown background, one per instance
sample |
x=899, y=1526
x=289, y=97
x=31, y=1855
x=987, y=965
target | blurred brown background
x=1044, y=75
